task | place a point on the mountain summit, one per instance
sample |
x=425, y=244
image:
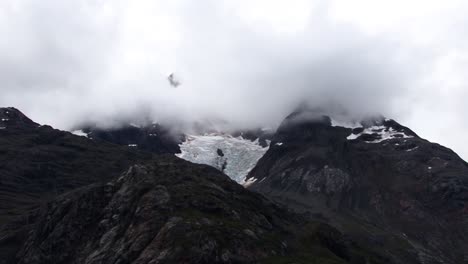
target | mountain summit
x=377, y=181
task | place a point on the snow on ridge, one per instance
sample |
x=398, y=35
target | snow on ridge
x=235, y=156
x=248, y=182
x=346, y=124
x=384, y=132
x=415, y=148
x=80, y=133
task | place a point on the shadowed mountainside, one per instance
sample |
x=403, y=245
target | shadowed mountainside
x=380, y=182
x=63, y=202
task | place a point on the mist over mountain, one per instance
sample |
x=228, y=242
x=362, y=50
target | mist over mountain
x=248, y=63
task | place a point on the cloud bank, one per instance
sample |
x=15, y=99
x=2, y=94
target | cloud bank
x=247, y=62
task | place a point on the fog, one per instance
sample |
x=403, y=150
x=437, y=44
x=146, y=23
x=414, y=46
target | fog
x=248, y=63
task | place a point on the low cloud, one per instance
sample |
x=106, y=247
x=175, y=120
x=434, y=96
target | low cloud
x=248, y=63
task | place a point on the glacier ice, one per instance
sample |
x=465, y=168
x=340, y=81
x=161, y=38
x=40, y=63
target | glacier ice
x=235, y=156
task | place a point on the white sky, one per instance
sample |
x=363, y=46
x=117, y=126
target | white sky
x=248, y=62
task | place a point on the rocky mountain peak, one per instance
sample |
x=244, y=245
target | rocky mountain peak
x=13, y=118
x=376, y=170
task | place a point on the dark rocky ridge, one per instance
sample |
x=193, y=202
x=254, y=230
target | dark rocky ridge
x=63, y=203
x=153, y=138
x=404, y=188
x=401, y=200
x=171, y=211
x=37, y=163
x=12, y=118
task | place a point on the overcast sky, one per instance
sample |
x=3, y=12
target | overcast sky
x=248, y=62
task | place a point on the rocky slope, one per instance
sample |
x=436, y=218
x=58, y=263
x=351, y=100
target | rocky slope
x=375, y=193
x=171, y=211
x=379, y=182
x=37, y=163
x=65, y=200
x=153, y=138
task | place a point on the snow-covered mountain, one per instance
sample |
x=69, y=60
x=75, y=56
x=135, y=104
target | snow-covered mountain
x=374, y=177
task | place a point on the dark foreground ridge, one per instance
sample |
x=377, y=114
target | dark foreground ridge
x=379, y=183
x=171, y=211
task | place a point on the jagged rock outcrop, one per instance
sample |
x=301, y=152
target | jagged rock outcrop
x=379, y=180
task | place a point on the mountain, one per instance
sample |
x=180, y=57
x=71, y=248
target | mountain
x=234, y=153
x=171, y=211
x=37, y=163
x=154, y=138
x=376, y=182
x=70, y=199
x=322, y=191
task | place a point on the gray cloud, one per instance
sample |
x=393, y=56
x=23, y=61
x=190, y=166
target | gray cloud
x=249, y=63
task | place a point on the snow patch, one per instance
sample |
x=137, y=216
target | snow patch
x=346, y=124
x=353, y=136
x=132, y=145
x=415, y=148
x=385, y=133
x=279, y=144
x=248, y=182
x=2, y=127
x=239, y=155
x=80, y=133
x=5, y=119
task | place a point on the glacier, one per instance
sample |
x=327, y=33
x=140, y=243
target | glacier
x=235, y=156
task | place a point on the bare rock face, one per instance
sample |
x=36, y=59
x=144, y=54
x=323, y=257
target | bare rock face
x=38, y=163
x=153, y=138
x=13, y=118
x=172, y=211
x=379, y=179
x=328, y=181
x=164, y=212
